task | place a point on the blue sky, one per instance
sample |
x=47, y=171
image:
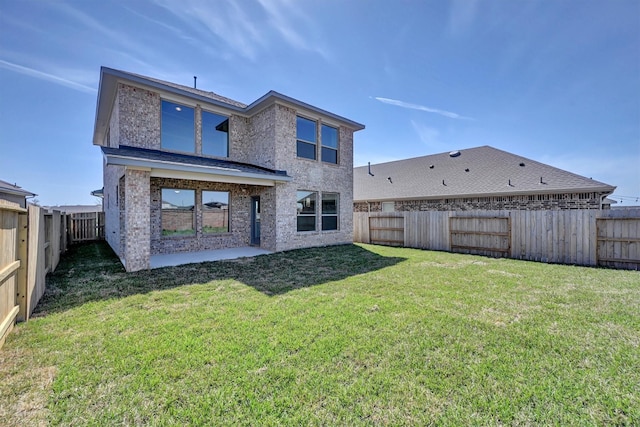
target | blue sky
x=555, y=81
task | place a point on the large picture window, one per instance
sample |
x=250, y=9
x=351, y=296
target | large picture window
x=306, y=207
x=329, y=139
x=215, y=134
x=330, y=209
x=177, y=127
x=306, y=135
x=178, y=212
x=215, y=211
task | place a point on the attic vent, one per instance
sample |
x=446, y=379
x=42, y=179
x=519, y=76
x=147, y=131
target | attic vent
x=454, y=154
x=431, y=166
x=522, y=164
x=466, y=170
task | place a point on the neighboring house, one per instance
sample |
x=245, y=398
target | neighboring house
x=476, y=178
x=74, y=209
x=188, y=170
x=14, y=194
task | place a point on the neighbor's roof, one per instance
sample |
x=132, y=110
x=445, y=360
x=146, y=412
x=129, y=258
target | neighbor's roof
x=8, y=188
x=71, y=209
x=481, y=171
x=175, y=165
x=110, y=77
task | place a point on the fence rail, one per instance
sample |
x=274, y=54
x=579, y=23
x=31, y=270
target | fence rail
x=31, y=242
x=582, y=237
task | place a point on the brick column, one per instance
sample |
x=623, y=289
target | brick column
x=137, y=222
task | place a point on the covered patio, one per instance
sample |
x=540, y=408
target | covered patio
x=180, y=258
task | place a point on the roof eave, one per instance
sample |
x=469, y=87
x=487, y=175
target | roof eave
x=272, y=97
x=17, y=192
x=601, y=190
x=120, y=160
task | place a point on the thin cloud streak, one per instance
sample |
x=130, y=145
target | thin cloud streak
x=418, y=107
x=47, y=77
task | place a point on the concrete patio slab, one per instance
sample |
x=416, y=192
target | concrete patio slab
x=170, y=260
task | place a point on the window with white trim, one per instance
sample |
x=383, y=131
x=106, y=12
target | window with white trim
x=330, y=209
x=388, y=206
x=215, y=212
x=329, y=141
x=306, y=138
x=178, y=212
x=306, y=210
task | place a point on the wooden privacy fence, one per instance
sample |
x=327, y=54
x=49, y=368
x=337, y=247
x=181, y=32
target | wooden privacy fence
x=582, y=237
x=387, y=230
x=31, y=242
x=481, y=235
x=85, y=226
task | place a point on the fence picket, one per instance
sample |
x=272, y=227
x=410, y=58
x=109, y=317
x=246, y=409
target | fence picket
x=584, y=237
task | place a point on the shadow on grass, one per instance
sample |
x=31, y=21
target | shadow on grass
x=92, y=272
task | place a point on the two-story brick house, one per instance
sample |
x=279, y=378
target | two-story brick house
x=187, y=170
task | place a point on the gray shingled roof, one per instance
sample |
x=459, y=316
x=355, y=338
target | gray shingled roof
x=175, y=160
x=200, y=92
x=9, y=188
x=481, y=171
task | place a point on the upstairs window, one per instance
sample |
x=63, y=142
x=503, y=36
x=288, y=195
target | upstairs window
x=215, y=212
x=330, y=206
x=306, y=201
x=178, y=215
x=215, y=134
x=306, y=135
x=329, y=139
x=177, y=127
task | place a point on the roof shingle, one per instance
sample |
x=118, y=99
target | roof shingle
x=480, y=171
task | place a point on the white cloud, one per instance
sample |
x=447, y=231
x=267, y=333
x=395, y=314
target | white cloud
x=282, y=16
x=246, y=29
x=47, y=77
x=409, y=105
x=126, y=42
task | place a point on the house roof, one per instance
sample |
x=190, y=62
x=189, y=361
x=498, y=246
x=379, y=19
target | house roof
x=176, y=165
x=8, y=188
x=473, y=172
x=71, y=209
x=110, y=77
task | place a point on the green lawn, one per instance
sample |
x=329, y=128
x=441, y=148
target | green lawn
x=347, y=335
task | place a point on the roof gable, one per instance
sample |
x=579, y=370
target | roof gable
x=108, y=86
x=480, y=171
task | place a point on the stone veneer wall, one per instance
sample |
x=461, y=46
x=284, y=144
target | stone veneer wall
x=139, y=117
x=311, y=175
x=136, y=228
x=110, y=205
x=239, y=217
x=528, y=202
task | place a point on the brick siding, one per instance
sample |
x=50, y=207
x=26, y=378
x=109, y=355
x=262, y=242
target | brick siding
x=526, y=202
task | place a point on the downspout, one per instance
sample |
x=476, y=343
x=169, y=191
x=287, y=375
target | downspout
x=604, y=196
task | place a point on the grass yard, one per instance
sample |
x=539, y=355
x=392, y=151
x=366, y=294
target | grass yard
x=347, y=335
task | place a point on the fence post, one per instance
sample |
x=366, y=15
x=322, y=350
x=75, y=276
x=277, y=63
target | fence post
x=23, y=251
